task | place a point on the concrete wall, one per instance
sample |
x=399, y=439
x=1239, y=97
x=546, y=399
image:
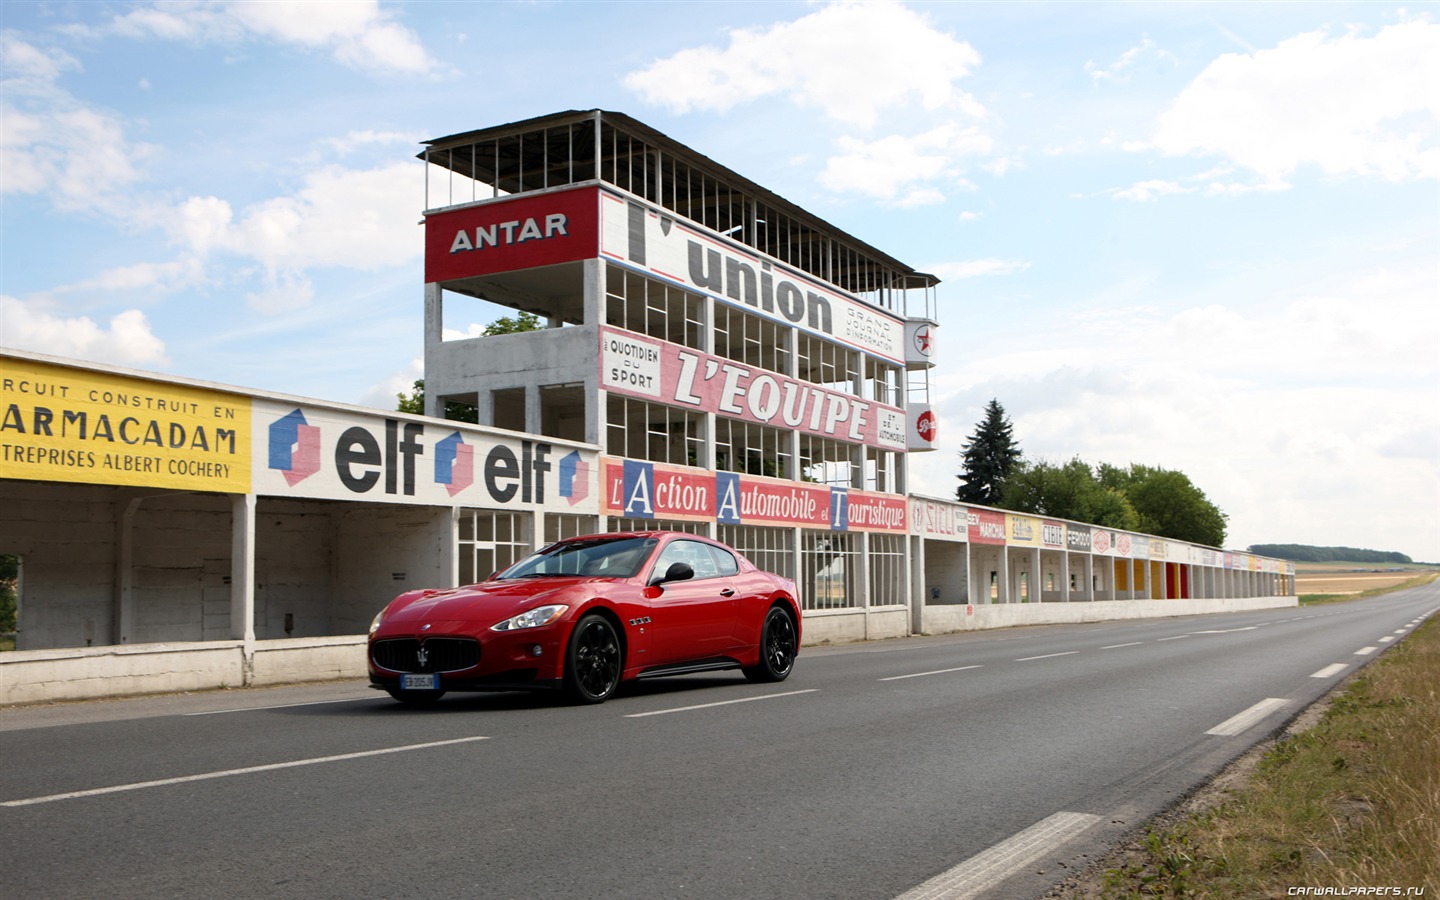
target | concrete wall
x=65, y=536
x=948, y=619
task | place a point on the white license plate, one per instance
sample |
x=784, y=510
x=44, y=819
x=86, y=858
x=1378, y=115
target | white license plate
x=419, y=682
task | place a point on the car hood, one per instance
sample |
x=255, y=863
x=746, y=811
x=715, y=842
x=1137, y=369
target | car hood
x=488, y=602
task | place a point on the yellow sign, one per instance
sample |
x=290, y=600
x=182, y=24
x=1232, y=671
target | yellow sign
x=64, y=424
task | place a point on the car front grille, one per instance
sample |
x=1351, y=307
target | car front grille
x=440, y=654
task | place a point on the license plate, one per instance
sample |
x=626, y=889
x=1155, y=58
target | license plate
x=419, y=682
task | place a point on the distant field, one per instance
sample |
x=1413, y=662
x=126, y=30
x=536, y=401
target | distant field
x=1343, y=578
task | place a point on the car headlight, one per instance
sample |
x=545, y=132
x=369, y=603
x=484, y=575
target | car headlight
x=532, y=618
x=375, y=622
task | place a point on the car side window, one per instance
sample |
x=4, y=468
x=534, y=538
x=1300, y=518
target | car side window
x=724, y=560
x=696, y=554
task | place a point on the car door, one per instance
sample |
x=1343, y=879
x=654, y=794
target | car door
x=692, y=619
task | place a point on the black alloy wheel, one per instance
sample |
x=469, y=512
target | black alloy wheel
x=778, y=647
x=593, y=660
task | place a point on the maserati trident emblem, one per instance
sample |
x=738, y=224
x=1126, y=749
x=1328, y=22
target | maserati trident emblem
x=421, y=657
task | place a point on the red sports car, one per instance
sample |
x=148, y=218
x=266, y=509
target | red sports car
x=587, y=613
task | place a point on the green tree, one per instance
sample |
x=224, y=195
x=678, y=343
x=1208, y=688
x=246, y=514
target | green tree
x=989, y=457
x=414, y=402
x=1168, y=503
x=1069, y=491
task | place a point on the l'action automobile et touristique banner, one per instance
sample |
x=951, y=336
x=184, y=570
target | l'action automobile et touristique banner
x=669, y=373
x=59, y=423
x=646, y=490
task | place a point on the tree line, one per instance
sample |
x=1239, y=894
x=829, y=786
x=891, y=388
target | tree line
x=1309, y=553
x=1142, y=498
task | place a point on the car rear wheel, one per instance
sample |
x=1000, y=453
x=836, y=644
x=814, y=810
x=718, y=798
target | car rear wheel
x=778, y=646
x=593, y=661
x=415, y=698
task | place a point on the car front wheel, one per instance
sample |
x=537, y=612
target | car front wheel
x=593, y=660
x=778, y=646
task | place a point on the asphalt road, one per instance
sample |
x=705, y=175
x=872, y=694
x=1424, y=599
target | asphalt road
x=984, y=764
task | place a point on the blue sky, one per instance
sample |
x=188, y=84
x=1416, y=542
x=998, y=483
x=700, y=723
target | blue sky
x=1202, y=236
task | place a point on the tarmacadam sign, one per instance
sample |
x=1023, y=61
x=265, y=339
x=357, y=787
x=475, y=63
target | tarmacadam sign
x=66, y=424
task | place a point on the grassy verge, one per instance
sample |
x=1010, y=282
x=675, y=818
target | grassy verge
x=1350, y=805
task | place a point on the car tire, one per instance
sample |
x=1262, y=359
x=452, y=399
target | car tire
x=415, y=698
x=594, y=660
x=778, y=646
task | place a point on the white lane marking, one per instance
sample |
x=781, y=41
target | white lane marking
x=1228, y=630
x=1236, y=724
x=923, y=674
x=988, y=868
x=1333, y=669
x=1048, y=656
x=1118, y=646
x=1175, y=638
x=226, y=773
x=1400, y=631
x=1366, y=651
x=218, y=712
x=662, y=712
x=1387, y=639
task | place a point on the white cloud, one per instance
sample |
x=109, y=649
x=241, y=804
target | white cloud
x=899, y=169
x=54, y=145
x=1350, y=105
x=1149, y=190
x=976, y=268
x=356, y=218
x=125, y=340
x=852, y=60
x=357, y=33
x=1123, y=67
x=1313, y=419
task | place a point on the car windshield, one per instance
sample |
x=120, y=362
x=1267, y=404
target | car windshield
x=613, y=557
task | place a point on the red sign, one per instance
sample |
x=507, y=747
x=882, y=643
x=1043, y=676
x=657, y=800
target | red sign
x=987, y=527
x=658, y=370
x=511, y=234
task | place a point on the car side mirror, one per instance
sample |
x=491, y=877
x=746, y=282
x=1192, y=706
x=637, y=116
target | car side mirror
x=678, y=571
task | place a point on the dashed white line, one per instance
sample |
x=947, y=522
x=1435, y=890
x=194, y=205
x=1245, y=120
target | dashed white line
x=1048, y=656
x=1118, y=646
x=923, y=674
x=1366, y=651
x=662, y=712
x=226, y=773
x=1175, y=638
x=1387, y=639
x=984, y=870
x=1328, y=671
x=1236, y=724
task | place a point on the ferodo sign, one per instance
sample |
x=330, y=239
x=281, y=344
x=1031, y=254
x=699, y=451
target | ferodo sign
x=643, y=367
x=305, y=451
x=59, y=423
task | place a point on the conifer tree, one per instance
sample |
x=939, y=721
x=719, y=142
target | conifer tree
x=989, y=457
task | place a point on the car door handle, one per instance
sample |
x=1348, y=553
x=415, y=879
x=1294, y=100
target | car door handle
x=728, y=592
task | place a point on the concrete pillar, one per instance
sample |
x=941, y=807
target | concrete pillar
x=242, y=569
